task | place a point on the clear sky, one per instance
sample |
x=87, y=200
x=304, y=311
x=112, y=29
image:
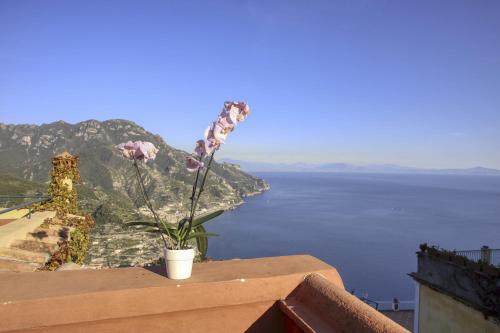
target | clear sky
x=415, y=83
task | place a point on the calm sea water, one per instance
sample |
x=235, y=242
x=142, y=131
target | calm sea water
x=368, y=226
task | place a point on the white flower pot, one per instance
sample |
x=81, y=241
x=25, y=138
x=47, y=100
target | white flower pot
x=179, y=263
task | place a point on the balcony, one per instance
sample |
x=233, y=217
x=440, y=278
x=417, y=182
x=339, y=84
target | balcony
x=278, y=294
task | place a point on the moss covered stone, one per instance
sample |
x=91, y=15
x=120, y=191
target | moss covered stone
x=65, y=174
x=75, y=249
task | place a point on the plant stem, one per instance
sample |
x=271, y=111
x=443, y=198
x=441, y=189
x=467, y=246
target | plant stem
x=182, y=228
x=195, y=185
x=202, y=185
x=150, y=206
x=195, y=203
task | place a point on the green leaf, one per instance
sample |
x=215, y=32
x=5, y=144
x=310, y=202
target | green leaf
x=201, y=242
x=201, y=234
x=173, y=232
x=206, y=217
x=181, y=222
x=143, y=223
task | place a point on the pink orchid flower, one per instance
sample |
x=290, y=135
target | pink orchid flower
x=220, y=132
x=211, y=141
x=237, y=111
x=145, y=151
x=200, y=149
x=139, y=150
x=231, y=115
x=224, y=120
x=192, y=164
x=216, y=135
x=127, y=149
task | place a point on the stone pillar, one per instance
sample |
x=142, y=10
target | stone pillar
x=64, y=175
x=486, y=254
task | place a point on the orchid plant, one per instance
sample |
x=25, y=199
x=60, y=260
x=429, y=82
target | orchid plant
x=191, y=226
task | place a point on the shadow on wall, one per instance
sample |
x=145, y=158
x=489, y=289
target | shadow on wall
x=271, y=321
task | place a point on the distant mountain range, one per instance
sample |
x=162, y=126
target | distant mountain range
x=352, y=168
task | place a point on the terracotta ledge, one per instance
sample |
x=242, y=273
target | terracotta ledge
x=47, y=300
x=320, y=306
x=255, y=295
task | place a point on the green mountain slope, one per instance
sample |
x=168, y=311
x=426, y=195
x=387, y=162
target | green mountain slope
x=109, y=189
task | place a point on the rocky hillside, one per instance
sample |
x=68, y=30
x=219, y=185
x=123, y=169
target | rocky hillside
x=109, y=189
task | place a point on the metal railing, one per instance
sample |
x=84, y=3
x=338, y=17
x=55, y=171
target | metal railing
x=485, y=254
x=402, y=305
x=370, y=302
x=386, y=305
x=38, y=198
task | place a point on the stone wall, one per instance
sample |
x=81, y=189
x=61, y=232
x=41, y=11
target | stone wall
x=456, y=294
x=439, y=313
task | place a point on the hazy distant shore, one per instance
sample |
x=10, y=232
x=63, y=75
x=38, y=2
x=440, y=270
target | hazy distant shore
x=248, y=166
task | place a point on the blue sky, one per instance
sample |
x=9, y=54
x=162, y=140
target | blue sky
x=412, y=83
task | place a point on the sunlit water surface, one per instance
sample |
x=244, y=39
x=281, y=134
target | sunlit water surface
x=368, y=226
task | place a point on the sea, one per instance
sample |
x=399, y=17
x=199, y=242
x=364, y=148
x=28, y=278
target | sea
x=368, y=226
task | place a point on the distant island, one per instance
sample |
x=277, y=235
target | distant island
x=352, y=168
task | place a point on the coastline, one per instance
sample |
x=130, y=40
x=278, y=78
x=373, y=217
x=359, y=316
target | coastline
x=114, y=245
x=266, y=187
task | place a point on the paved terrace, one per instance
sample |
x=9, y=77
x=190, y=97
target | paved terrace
x=278, y=294
x=24, y=246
